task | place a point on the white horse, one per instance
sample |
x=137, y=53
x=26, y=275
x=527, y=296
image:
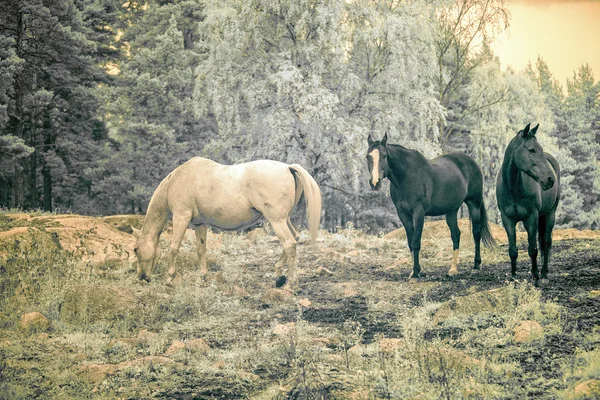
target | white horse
x=204, y=193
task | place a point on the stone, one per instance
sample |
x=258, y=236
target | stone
x=197, y=346
x=34, y=322
x=323, y=271
x=527, y=331
x=276, y=296
x=305, y=303
x=284, y=329
x=494, y=300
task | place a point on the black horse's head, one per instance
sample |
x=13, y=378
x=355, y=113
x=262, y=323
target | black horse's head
x=377, y=161
x=529, y=157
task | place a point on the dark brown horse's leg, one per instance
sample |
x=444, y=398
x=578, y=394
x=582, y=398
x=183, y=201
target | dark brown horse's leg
x=513, y=252
x=407, y=223
x=418, y=221
x=547, y=242
x=452, y=221
x=531, y=225
x=475, y=215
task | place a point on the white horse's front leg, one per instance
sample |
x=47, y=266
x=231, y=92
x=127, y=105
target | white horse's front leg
x=180, y=224
x=201, y=234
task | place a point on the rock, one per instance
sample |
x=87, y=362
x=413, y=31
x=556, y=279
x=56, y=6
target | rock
x=390, y=345
x=248, y=376
x=276, y=296
x=305, y=303
x=527, y=331
x=323, y=271
x=34, y=322
x=284, y=329
x=357, y=349
x=197, y=346
x=495, y=300
x=175, y=348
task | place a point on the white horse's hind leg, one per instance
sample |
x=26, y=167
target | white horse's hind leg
x=180, y=224
x=288, y=256
x=201, y=232
x=291, y=227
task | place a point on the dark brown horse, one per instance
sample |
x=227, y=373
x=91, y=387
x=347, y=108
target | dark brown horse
x=421, y=187
x=528, y=190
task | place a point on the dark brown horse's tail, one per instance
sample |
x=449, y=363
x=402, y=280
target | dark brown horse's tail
x=486, y=234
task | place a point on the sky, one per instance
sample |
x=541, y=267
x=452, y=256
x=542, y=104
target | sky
x=566, y=33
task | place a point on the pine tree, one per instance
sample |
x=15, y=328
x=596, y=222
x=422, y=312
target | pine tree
x=49, y=102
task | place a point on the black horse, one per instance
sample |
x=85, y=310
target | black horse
x=421, y=187
x=528, y=190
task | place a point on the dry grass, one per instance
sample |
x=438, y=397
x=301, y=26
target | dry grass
x=115, y=337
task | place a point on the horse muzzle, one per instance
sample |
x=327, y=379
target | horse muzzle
x=548, y=183
x=376, y=186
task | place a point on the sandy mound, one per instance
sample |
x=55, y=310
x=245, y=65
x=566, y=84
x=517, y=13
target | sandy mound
x=97, y=239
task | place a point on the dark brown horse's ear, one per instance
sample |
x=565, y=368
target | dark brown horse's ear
x=526, y=130
x=384, y=140
x=534, y=130
x=370, y=140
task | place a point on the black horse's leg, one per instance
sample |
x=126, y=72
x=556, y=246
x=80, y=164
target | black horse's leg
x=531, y=225
x=452, y=221
x=549, y=225
x=513, y=252
x=475, y=215
x=418, y=221
x=407, y=222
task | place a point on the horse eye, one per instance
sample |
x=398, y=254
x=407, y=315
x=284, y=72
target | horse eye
x=532, y=150
x=135, y=249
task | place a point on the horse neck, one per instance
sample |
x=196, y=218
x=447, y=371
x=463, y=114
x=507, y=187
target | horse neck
x=512, y=177
x=402, y=160
x=156, y=216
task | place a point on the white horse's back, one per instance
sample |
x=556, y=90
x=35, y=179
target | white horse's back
x=231, y=196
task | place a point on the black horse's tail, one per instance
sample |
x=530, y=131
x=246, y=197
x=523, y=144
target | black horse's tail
x=486, y=234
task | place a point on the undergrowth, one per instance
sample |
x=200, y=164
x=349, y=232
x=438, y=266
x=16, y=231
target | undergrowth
x=113, y=336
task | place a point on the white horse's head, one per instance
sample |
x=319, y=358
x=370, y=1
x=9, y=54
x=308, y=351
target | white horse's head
x=147, y=252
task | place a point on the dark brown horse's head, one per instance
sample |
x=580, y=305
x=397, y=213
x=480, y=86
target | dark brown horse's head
x=147, y=253
x=529, y=157
x=377, y=161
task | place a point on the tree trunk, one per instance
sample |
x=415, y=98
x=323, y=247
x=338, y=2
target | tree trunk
x=18, y=187
x=47, y=173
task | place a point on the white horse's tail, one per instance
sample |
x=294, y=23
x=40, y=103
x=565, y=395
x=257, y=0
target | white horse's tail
x=312, y=197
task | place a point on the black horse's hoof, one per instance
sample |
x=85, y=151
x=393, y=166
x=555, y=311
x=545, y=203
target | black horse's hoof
x=281, y=281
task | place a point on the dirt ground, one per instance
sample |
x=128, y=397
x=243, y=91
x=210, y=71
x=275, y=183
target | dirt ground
x=354, y=292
